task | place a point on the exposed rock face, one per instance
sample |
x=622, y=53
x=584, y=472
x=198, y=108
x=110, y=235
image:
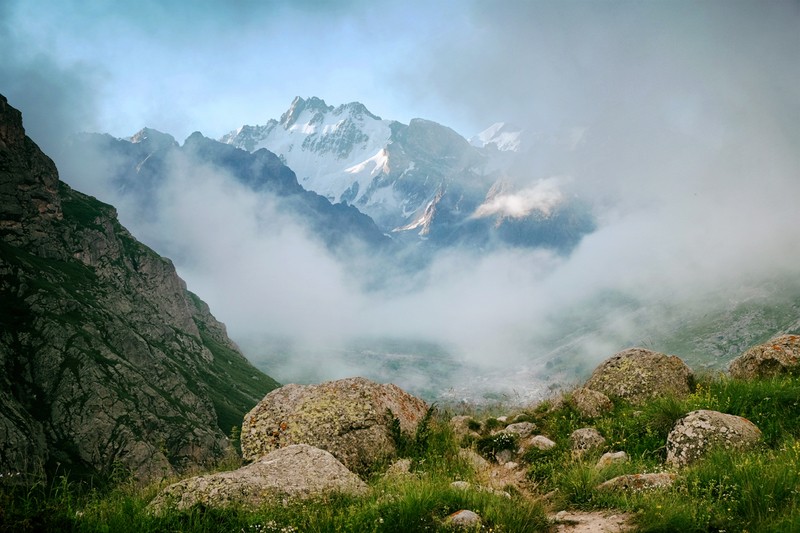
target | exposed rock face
x=637, y=375
x=700, y=431
x=298, y=472
x=106, y=358
x=349, y=418
x=590, y=403
x=778, y=356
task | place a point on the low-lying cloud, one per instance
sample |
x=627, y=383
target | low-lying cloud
x=541, y=198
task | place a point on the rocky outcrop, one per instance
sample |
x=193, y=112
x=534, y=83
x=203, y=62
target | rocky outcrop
x=702, y=430
x=106, y=360
x=351, y=418
x=780, y=355
x=637, y=375
x=295, y=472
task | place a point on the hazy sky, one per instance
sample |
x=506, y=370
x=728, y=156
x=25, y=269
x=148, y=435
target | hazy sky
x=212, y=66
x=691, y=156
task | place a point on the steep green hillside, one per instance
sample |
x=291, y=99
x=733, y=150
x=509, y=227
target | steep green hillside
x=106, y=360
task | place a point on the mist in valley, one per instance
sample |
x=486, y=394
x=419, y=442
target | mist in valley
x=687, y=157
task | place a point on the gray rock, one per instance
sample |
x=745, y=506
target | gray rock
x=611, y=458
x=637, y=375
x=780, y=355
x=699, y=431
x=539, y=441
x=460, y=425
x=504, y=456
x=351, y=418
x=463, y=519
x=463, y=485
x=590, y=403
x=523, y=429
x=294, y=472
x=474, y=459
x=639, y=482
x=585, y=440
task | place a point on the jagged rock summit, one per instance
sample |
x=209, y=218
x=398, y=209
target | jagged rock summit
x=351, y=418
x=106, y=359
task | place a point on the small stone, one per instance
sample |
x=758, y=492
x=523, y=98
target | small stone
x=585, y=440
x=540, y=442
x=590, y=403
x=611, y=458
x=463, y=519
x=639, y=482
x=523, y=429
x=504, y=456
x=511, y=465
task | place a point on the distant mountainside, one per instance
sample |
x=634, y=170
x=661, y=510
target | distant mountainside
x=420, y=180
x=139, y=165
x=106, y=359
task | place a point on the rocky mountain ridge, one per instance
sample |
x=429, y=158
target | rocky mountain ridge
x=418, y=181
x=107, y=359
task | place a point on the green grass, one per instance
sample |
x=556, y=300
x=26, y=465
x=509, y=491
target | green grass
x=754, y=491
x=419, y=501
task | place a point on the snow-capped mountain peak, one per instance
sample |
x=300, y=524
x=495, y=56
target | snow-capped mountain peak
x=503, y=136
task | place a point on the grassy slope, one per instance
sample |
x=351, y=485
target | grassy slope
x=753, y=491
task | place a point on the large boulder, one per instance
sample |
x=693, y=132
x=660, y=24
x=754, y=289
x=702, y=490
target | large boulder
x=637, y=375
x=700, y=431
x=295, y=472
x=351, y=418
x=781, y=355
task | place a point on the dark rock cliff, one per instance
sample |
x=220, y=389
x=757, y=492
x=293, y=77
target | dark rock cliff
x=106, y=359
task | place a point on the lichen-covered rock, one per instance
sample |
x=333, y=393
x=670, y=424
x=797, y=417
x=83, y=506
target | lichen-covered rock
x=351, y=418
x=295, y=472
x=639, y=482
x=523, y=429
x=590, y=403
x=780, y=355
x=700, y=431
x=585, y=440
x=637, y=375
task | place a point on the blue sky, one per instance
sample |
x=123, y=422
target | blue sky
x=212, y=66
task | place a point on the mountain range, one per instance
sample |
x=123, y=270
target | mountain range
x=422, y=180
